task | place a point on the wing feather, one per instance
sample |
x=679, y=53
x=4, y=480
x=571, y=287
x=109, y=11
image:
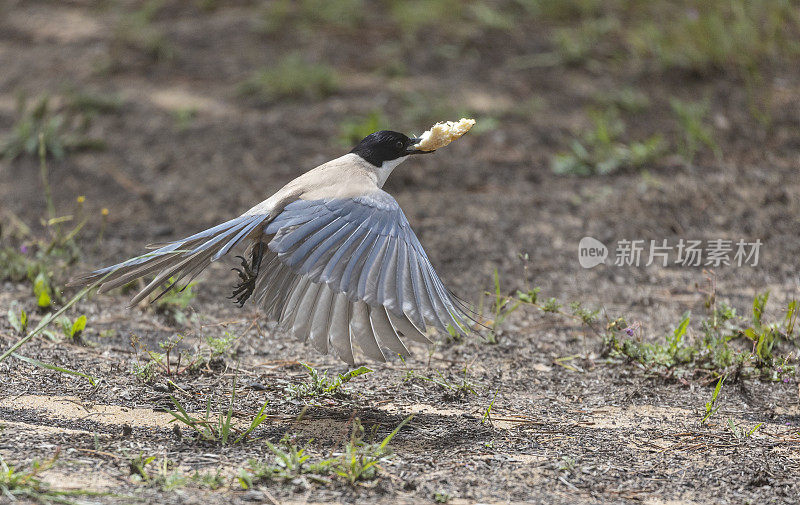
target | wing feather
x=361, y=329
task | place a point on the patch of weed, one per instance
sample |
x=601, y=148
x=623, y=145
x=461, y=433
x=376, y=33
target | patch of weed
x=717, y=35
x=600, y=152
x=454, y=389
x=321, y=385
x=58, y=130
x=137, y=30
x=173, y=301
x=695, y=132
x=16, y=485
x=355, y=129
x=18, y=321
x=218, y=429
x=72, y=329
x=308, y=16
x=740, y=433
x=502, y=307
x=290, y=461
x=292, y=77
x=712, y=405
x=442, y=497
x=714, y=349
x=359, y=461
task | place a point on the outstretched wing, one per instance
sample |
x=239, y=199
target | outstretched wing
x=352, y=270
x=178, y=259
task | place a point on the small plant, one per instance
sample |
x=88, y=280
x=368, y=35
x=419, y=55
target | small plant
x=221, y=429
x=290, y=461
x=740, y=433
x=42, y=291
x=454, y=389
x=219, y=346
x=57, y=131
x=174, y=301
x=292, y=77
x=711, y=406
x=587, y=316
x=442, y=497
x=209, y=480
x=674, y=351
x=72, y=329
x=138, y=31
x=359, y=461
x=601, y=153
x=695, y=133
x=355, y=129
x=551, y=305
x=503, y=307
x=159, y=361
x=17, y=485
x=166, y=477
x=487, y=414
x=18, y=322
x=321, y=385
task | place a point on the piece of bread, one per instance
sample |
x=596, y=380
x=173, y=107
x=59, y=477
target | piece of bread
x=443, y=133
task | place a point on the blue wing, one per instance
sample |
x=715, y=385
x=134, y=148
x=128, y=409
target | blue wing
x=356, y=271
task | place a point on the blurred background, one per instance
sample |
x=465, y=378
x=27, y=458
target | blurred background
x=615, y=119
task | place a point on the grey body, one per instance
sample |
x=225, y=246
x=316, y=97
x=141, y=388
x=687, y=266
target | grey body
x=341, y=265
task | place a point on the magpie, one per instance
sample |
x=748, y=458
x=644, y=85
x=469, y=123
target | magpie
x=331, y=258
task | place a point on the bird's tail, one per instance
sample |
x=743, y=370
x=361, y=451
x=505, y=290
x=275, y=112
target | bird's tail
x=182, y=258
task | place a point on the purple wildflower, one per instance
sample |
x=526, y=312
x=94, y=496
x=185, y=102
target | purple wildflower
x=629, y=331
x=23, y=249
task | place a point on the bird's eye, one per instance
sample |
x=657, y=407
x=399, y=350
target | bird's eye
x=399, y=145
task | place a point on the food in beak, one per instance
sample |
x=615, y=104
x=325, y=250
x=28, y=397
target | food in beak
x=443, y=133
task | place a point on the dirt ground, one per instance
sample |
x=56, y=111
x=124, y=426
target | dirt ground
x=185, y=150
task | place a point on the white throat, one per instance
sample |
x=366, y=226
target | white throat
x=386, y=168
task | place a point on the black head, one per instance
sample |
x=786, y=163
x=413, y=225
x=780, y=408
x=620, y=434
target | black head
x=385, y=145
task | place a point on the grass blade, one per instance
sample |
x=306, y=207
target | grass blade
x=42, y=364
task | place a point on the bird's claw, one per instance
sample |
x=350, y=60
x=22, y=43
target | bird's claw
x=244, y=289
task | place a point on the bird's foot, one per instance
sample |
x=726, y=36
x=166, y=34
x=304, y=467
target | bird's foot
x=247, y=275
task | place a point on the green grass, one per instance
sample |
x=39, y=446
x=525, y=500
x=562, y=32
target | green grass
x=726, y=344
x=321, y=385
x=293, y=77
x=289, y=461
x=219, y=428
x=20, y=485
x=354, y=129
x=59, y=130
x=455, y=389
x=695, y=132
x=358, y=461
x=307, y=16
x=137, y=30
x=712, y=406
x=174, y=301
x=166, y=476
x=156, y=364
x=718, y=35
x=600, y=151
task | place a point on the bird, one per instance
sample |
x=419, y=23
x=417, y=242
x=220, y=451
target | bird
x=330, y=256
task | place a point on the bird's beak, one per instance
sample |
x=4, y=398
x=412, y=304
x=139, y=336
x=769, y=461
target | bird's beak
x=410, y=149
